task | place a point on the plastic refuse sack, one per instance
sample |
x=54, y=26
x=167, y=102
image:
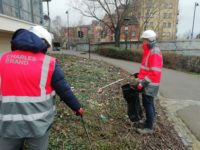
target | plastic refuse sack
x=134, y=109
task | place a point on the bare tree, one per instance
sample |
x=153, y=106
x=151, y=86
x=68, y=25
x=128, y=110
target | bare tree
x=185, y=35
x=115, y=12
x=58, y=30
x=150, y=15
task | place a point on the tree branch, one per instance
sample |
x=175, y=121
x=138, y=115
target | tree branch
x=109, y=14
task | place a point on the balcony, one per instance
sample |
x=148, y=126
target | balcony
x=11, y=24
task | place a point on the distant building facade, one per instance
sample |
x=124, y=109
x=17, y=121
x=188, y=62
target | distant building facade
x=161, y=16
x=15, y=14
x=102, y=33
x=97, y=34
x=198, y=36
x=72, y=37
x=158, y=15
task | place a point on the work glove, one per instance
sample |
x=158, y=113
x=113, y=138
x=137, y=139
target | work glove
x=135, y=75
x=79, y=112
x=140, y=87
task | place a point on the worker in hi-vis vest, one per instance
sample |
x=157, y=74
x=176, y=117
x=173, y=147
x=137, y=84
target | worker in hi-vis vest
x=149, y=77
x=29, y=80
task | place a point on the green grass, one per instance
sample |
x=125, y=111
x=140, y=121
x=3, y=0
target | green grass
x=105, y=114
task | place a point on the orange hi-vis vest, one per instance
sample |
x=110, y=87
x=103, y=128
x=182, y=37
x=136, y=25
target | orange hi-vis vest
x=27, y=105
x=151, y=70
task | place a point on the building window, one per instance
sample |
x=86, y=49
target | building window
x=36, y=12
x=168, y=34
x=113, y=37
x=149, y=4
x=133, y=34
x=169, y=25
x=170, y=6
x=167, y=15
x=10, y=8
x=167, y=5
x=29, y=10
x=164, y=24
x=149, y=14
x=150, y=24
x=25, y=10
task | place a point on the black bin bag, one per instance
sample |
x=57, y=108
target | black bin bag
x=131, y=95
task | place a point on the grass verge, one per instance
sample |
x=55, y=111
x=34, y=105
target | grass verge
x=105, y=114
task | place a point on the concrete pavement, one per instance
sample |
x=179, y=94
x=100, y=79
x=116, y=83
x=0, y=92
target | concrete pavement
x=179, y=93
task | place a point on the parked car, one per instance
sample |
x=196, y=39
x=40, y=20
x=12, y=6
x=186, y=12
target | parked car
x=56, y=46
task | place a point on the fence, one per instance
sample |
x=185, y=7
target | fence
x=189, y=45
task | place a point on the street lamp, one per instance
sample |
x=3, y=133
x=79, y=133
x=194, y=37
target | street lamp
x=48, y=12
x=67, y=29
x=195, y=5
x=126, y=30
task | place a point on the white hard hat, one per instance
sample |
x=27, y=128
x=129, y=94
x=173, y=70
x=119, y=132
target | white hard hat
x=42, y=33
x=149, y=34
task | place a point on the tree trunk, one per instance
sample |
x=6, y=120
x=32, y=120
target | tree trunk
x=117, y=37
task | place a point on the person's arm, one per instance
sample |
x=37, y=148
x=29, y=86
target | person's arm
x=62, y=88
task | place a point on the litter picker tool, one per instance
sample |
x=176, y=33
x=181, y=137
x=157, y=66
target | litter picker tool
x=100, y=90
x=88, y=137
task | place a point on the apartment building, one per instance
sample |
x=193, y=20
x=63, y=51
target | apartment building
x=102, y=33
x=15, y=14
x=97, y=32
x=158, y=15
x=161, y=16
x=73, y=32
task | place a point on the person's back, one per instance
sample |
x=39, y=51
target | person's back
x=28, y=79
x=27, y=95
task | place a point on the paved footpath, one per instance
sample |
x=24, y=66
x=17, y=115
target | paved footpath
x=179, y=93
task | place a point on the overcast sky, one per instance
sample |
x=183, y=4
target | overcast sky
x=186, y=7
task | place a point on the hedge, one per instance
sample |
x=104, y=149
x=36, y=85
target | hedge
x=115, y=52
x=170, y=60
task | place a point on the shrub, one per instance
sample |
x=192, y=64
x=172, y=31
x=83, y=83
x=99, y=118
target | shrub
x=170, y=60
x=119, y=53
x=181, y=62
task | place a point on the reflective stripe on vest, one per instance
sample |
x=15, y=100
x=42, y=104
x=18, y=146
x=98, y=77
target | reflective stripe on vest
x=29, y=116
x=151, y=82
x=154, y=51
x=151, y=68
x=20, y=117
x=44, y=74
x=23, y=99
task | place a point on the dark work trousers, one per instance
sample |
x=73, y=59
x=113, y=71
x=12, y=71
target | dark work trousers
x=39, y=143
x=148, y=103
